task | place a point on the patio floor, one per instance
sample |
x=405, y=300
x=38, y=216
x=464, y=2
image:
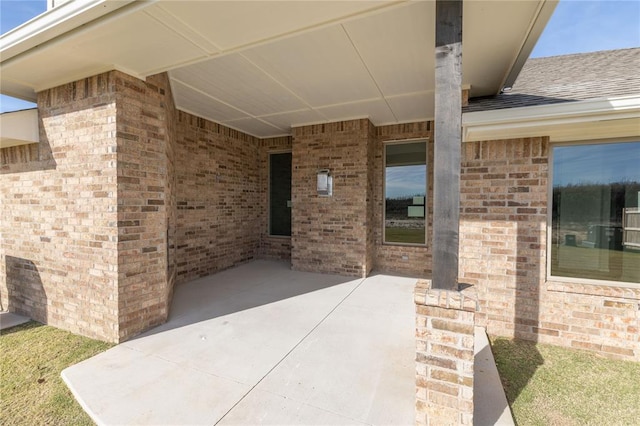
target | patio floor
x=260, y=343
x=10, y=319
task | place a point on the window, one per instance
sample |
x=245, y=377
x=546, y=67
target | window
x=595, y=215
x=280, y=194
x=405, y=189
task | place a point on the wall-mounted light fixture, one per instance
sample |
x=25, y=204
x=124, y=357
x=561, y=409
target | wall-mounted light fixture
x=325, y=183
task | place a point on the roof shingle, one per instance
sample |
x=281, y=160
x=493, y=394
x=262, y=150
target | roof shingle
x=567, y=78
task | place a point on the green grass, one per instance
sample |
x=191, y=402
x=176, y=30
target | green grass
x=31, y=389
x=404, y=235
x=604, y=264
x=550, y=385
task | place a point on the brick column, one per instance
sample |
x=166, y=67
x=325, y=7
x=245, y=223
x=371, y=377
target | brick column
x=444, y=355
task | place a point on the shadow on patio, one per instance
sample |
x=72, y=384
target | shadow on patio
x=263, y=344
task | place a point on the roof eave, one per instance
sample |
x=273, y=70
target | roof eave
x=612, y=117
x=533, y=35
x=19, y=128
x=54, y=23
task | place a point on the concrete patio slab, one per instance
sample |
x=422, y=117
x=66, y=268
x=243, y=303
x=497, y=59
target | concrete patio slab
x=362, y=357
x=268, y=409
x=9, y=319
x=126, y=387
x=245, y=343
x=263, y=344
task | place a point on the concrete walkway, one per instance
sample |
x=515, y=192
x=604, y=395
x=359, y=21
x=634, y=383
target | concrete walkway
x=9, y=319
x=490, y=406
x=261, y=344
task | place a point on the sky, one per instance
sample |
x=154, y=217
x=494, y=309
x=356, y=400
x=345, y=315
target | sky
x=14, y=13
x=405, y=181
x=583, y=164
x=577, y=26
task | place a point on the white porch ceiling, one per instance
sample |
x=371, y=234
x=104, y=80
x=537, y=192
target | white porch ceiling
x=263, y=67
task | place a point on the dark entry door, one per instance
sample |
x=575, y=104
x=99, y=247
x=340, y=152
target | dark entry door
x=280, y=194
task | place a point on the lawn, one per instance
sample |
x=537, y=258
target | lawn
x=31, y=389
x=601, y=264
x=405, y=235
x=550, y=385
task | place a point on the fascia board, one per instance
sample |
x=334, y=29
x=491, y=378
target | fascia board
x=528, y=121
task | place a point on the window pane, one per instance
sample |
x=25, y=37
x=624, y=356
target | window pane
x=280, y=194
x=595, y=219
x=405, y=192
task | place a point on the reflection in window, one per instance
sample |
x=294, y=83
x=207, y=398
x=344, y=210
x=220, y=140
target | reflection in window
x=595, y=220
x=405, y=192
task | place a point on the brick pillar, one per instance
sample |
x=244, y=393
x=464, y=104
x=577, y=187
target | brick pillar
x=444, y=355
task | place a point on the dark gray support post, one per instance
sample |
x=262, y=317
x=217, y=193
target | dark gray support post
x=448, y=141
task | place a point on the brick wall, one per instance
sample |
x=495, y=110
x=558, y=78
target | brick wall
x=597, y=318
x=145, y=203
x=85, y=215
x=218, y=197
x=58, y=215
x=329, y=234
x=503, y=252
x=170, y=196
x=328, y=229
x=271, y=247
x=503, y=230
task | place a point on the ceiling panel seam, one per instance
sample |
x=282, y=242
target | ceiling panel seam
x=206, y=52
x=293, y=111
x=296, y=95
x=359, y=101
x=202, y=92
x=404, y=95
x=221, y=123
x=283, y=36
x=254, y=118
x=364, y=64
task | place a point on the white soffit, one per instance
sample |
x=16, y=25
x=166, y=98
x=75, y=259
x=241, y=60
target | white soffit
x=235, y=24
x=262, y=67
x=617, y=117
x=19, y=128
x=498, y=32
x=322, y=67
x=413, y=107
x=55, y=22
x=196, y=101
x=396, y=47
x=236, y=81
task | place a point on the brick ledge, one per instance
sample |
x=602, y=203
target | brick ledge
x=594, y=290
x=464, y=300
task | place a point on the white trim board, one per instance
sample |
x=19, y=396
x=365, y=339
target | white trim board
x=613, y=117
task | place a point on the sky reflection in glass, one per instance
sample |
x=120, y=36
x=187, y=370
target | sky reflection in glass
x=596, y=164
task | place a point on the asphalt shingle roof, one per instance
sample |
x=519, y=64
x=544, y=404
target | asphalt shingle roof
x=567, y=78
